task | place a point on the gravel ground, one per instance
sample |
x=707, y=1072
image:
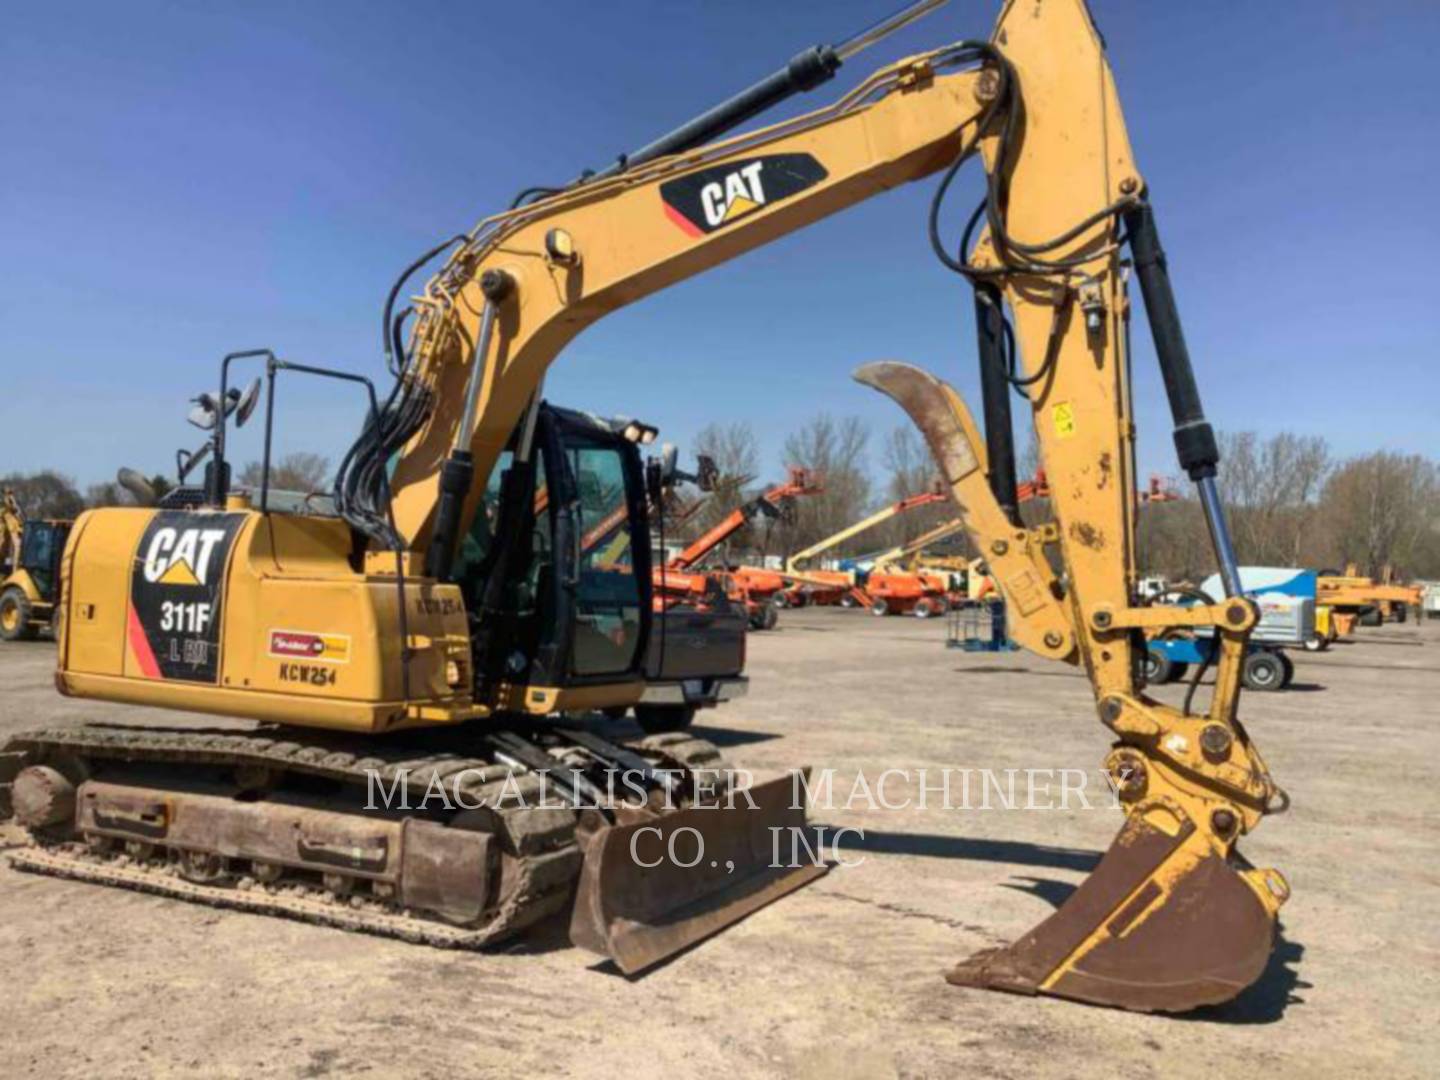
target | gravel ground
x=844, y=977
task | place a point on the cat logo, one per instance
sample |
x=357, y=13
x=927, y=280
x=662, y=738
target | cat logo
x=709, y=199
x=177, y=595
x=741, y=193
x=181, y=556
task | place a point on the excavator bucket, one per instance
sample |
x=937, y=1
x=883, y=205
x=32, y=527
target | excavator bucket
x=1166, y=923
x=655, y=886
x=1172, y=918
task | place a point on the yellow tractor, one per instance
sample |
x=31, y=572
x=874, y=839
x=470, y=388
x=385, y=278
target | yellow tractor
x=29, y=571
x=373, y=659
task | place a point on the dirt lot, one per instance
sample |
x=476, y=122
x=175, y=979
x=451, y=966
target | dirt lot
x=843, y=978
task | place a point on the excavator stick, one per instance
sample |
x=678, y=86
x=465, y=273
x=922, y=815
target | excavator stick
x=1172, y=918
x=655, y=886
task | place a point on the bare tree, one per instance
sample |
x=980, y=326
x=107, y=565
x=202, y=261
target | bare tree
x=1271, y=486
x=911, y=469
x=299, y=471
x=108, y=493
x=736, y=452
x=1173, y=542
x=44, y=494
x=1382, y=510
x=907, y=459
x=834, y=449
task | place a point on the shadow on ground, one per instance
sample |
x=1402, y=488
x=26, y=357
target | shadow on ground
x=723, y=736
x=1265, y=1000
x=961, y=847
x=995, y=669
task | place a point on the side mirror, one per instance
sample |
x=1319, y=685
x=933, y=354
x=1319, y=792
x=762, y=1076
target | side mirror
x=245, y=403
x=669, y=462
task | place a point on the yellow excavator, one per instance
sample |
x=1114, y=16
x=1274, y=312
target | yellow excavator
x=367, y=654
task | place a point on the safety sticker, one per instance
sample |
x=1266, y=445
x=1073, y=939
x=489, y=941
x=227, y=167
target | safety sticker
x=305, y=645
x=1063, y=415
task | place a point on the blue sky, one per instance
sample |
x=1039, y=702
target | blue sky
x=184, y=179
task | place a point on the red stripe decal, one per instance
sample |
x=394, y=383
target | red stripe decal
x=140, y=646
x=687, y=226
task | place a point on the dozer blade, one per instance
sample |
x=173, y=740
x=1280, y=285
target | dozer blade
x=637, y=901
x=1165, y=923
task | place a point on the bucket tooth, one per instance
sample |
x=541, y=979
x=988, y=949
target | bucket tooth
x=637, y=905
x=1167, y=922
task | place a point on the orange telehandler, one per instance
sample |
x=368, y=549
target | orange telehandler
x=680, y=580
x=363, y=654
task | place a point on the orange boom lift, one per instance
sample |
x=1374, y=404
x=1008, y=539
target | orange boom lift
x=680, y=580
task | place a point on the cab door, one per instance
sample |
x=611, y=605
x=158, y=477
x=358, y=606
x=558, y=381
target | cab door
x=601, y=545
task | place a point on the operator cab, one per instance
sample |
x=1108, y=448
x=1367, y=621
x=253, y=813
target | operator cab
x=555, y=569
x=42, y=544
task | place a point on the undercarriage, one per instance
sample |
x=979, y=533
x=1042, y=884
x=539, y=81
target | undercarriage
x=448, y=839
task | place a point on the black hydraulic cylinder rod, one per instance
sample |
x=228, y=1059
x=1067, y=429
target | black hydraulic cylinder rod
x=995, y=395
x=506, y=562
x=455, y=479
x=458, y=472
x=805, y=71
x=1194, y=437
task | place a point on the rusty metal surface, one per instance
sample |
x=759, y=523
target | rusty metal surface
x=447, y=871
x=1150, y=930
x=42, y=796
x=922, y=396
x=483, y=876
x=536, y=849
x=638, y=905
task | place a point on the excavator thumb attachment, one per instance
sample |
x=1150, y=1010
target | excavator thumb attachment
x=1172, y=918
x=1037, y=619
x=1165, y=923
x=655, y=886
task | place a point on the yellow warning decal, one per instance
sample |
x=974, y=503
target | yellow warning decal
x=1063, y=416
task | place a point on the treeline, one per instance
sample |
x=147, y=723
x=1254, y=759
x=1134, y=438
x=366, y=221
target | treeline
x=840, y=450
x=1290, y=501
x=49, y=494
x=1291, y=504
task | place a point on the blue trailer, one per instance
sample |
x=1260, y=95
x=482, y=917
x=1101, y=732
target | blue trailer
x=1286, y=599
